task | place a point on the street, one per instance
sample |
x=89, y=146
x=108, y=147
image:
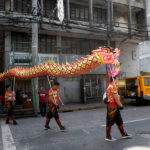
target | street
x=56, y=52
x=85, y=131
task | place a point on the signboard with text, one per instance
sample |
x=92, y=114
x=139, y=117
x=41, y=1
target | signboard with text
x=26, y=58
x=20, y=59
x=48, y=57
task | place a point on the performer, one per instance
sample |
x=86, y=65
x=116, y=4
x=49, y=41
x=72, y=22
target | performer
x=43, y=100
x=9, y=98
x=113, y=112
x=53, y=106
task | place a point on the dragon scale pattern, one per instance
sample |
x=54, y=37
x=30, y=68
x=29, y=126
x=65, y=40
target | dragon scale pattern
x=97, y=58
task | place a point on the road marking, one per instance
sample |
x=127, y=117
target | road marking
x=137, y=148
x=7, y=138
x=138, y=120
x=86, y=131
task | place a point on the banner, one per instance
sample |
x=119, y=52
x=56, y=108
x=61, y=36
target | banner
x=60, y=10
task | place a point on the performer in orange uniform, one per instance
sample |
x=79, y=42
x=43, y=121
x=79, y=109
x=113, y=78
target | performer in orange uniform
x=113, y=112
x=9, y=97
x=53, y=106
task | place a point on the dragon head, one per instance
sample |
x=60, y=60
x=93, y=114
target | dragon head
x=107, y=55
x=110, y=57
x=107, y=50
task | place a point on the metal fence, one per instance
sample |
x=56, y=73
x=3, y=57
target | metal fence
x=92, y=90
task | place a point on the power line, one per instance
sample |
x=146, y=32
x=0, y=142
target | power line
x=26, y=21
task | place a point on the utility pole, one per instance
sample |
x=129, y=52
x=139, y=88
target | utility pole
x=109, y=27
x=108, y=22
x=129, y=19
x=35, y=52
x=91, y=12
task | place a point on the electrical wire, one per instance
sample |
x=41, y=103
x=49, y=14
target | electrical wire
x=26, y=21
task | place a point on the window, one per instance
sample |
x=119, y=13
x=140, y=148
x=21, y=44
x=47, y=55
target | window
x=2, y=5
x=79, y=12
x=141, y=21
x=100, y=15
x=50, y=9
x=80, y=46
x=132, y=84
x=95, y=18
x=147, y=81
x=21, y=42
x=86, y=14
x=65, y=10
x=82, y=13
x=23, y=6
x=47, y=44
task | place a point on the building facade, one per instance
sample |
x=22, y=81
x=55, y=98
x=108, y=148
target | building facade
x=88, y=24
x=144, y=47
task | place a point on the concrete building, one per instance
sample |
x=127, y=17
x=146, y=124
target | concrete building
x=144, y=47
x=88, y=24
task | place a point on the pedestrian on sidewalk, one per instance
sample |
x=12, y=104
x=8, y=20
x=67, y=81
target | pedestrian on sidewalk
x=53, y=106
x=43, y=100
x=9, y=99
x=113, y=111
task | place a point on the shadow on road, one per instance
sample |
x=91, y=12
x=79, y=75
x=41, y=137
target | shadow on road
x=132, y=102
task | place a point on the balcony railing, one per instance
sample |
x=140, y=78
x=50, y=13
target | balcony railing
x=79, y=17
x=138, y=1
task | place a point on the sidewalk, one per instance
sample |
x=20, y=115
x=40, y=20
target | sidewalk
x=69, y=108
x=79, y=107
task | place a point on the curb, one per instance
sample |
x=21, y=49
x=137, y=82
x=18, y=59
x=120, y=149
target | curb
x=19, y=116
x=81, y=108
x=63, y=110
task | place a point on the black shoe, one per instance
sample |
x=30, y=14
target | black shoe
x=14, y=122
x=7, y=122
x=47, y=127
x=63, y=128
x=126, y=136
x=110, y=139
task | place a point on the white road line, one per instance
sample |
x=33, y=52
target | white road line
x=7, y=138
x=138, y=120
x=86, y=131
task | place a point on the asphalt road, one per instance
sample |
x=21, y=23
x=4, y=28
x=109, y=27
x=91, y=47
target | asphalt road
x=85, y=131
x=1, y=146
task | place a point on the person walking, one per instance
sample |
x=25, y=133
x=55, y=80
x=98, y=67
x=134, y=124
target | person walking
x=113, y=111
x=9, y=99
x=43, y=100
x=53, y=106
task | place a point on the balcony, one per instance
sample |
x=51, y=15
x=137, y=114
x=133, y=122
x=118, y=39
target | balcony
x=135, y=3
x=81, y=17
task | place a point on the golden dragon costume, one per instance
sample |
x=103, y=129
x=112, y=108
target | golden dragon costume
x=97, y=58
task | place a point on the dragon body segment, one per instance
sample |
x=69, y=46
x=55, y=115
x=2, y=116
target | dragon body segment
x=97, y=58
